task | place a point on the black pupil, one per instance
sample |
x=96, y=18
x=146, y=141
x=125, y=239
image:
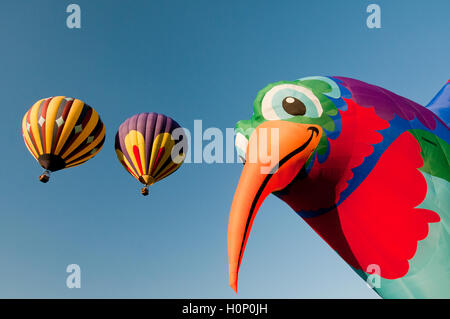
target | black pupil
x=294, y=106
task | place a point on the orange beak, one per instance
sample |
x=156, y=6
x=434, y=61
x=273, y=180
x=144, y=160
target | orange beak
x=277, y=150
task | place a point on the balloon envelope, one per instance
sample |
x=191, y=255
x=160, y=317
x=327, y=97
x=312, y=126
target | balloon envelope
x=149, y=146
x=62, y=132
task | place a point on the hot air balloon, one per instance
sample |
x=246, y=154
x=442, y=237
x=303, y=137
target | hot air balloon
x=150, y=146
x=366, y=168
x=62, y=132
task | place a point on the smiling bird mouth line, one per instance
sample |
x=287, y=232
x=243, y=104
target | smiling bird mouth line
x=313, y=130
x=296, y=142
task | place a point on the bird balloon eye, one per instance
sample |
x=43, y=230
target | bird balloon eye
x=288, y=100
x=293, y=106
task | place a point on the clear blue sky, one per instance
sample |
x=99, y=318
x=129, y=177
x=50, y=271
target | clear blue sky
x=191, y=60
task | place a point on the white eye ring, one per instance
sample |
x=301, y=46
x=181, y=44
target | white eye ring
x=267, y=107
x=241, y=143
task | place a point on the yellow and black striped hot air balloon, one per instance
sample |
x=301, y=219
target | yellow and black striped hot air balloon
x=62, y=132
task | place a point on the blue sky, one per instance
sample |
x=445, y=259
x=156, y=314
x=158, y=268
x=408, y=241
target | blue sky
x=190, y=60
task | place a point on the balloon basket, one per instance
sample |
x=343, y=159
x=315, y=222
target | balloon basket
x=144, y=191
x=45, y=177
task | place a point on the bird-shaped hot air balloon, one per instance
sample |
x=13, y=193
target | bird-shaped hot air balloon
x=367, y=169
x=150, y=147
x=62, y=132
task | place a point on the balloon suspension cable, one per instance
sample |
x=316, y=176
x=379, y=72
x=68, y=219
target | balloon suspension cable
x=45, y=177
x=144, y=190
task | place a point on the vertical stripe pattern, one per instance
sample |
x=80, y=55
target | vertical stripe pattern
x=144, y=145
x=62, y=132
